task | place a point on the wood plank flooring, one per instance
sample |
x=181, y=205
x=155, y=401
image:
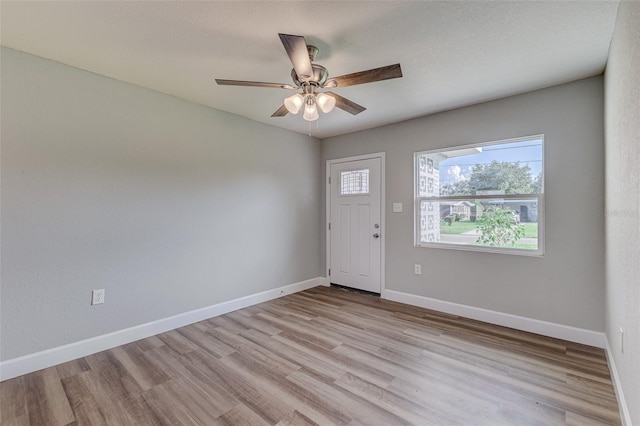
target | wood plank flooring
x=321, y=357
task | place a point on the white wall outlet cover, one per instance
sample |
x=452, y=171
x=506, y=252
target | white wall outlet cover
x=97, y=297
x=397, y=207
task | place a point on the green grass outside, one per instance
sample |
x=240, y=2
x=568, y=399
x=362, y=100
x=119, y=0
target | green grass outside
x=527, y=246
x=530, y=229
x=457, y=227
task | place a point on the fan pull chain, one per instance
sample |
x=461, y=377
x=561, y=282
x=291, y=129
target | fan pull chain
x=317, y=127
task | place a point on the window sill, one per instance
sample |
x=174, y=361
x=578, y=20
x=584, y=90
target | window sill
x=484, y=249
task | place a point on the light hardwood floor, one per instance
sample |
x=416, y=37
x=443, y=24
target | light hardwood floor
x=324, y=356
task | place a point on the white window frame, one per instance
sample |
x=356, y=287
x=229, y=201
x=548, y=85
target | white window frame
x=479, y=248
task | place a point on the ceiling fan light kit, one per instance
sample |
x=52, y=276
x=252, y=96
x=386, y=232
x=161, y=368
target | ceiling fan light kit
x=294, y=103
x=311, y=102
x=310, y=78
x=326, y=102
x=310, y=110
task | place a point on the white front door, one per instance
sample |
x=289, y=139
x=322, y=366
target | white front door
x=355, y=228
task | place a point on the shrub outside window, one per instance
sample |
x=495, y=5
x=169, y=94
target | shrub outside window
x=483, y=197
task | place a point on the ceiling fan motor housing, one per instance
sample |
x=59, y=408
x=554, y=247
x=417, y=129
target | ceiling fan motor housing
x=320, y=73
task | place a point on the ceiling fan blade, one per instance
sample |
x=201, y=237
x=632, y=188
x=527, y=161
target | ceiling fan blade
x=280, y=112
x=253, y=84
x=369, y=76
x=296, y=48
x=346, y=105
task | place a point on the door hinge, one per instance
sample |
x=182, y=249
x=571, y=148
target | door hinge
x=329, y=271
x=329, y=226
x=329, y=180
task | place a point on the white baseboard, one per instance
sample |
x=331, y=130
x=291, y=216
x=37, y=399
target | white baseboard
x=37, y=361
x=564, y=332
x=622, y=403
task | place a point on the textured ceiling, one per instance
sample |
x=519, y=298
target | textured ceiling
x=453, y=53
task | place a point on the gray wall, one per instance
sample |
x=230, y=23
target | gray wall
x=168, y=205
x=622, y=145
x=567, y=285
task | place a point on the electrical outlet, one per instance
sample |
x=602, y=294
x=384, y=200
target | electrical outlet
x=417, y=269
x=621, y=340
x=97, y=297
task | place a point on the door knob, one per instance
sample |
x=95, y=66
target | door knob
x=376, y=235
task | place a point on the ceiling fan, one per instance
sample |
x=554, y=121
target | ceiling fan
x=311, y=78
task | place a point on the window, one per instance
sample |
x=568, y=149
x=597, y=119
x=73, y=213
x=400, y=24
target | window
x=354, y=182
x=484, y=197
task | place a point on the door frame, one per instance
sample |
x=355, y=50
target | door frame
x=383, y=243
